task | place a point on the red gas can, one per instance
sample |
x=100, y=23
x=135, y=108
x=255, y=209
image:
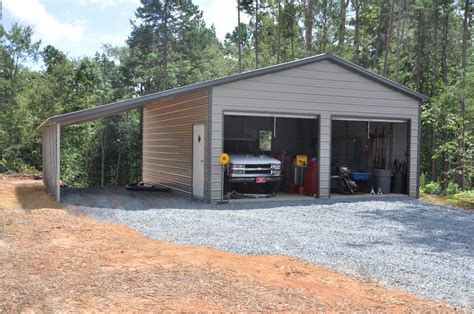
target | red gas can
x=311, y=178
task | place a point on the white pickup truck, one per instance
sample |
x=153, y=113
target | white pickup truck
x=254, y=170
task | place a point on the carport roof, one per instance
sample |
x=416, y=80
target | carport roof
x=125, y=105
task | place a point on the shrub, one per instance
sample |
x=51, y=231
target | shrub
x=432, y=188
x=422, y=181
x=452, y=188
x=466, y=194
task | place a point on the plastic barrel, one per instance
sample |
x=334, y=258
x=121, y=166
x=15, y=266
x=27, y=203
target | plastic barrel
x=382, y=179
x=397, y=183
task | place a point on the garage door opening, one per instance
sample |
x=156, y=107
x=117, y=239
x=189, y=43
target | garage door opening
x=369, y=156
x=271, y=156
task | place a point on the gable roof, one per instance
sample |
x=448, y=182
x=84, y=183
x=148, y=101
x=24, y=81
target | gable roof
x=125, y=105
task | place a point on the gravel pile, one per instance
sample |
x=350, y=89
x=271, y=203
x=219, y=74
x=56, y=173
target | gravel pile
x=401, y=243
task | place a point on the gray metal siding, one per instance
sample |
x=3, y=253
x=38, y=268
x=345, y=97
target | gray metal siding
x=50, y=140
x=322, y=88
x=167, y=140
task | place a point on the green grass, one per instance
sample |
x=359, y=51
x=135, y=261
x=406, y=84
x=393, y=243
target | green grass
x=464, y=199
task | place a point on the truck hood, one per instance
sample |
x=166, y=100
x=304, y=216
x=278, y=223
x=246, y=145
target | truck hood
x=252, y=159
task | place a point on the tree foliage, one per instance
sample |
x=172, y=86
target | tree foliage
x=424, y=44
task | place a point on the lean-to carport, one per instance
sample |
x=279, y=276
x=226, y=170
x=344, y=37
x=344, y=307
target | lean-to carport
x=174, y=102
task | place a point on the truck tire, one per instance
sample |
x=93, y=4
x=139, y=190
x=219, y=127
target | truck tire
x=272, y=188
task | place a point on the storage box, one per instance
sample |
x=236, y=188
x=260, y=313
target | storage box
x=360, y=176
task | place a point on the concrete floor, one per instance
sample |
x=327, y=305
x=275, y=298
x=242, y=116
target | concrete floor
x=282, y=196
x=365, y=196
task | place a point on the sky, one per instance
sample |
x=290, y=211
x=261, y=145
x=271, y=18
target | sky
x=81, y=27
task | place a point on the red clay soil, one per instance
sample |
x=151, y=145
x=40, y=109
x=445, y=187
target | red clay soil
x=52, y=260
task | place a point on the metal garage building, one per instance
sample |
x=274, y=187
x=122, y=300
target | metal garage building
x=183, y=129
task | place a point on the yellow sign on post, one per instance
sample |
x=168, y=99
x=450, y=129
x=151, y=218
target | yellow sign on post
x=224, y=159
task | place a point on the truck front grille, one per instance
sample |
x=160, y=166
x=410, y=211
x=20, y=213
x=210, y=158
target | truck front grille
x=258, y=169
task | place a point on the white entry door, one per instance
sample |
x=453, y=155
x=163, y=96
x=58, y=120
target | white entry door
x=198, y=161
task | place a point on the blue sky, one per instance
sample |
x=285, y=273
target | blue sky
x=81, y=27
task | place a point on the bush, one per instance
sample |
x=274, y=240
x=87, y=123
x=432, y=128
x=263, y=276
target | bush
x=452, y=188
x=422, y=181
x=432, y=188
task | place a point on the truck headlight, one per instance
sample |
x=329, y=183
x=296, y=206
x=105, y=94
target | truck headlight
x=276, y=166
x=237, y=166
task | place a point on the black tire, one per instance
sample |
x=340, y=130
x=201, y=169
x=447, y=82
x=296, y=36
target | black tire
x=272, y=188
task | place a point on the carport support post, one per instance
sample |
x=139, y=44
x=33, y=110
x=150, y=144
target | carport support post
x=51, y=143
x=324, y=156
x=222, y=201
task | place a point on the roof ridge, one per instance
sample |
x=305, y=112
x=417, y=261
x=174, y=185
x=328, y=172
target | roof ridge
x=137, y=102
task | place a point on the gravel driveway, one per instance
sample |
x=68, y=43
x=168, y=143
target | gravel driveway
x=401, y=243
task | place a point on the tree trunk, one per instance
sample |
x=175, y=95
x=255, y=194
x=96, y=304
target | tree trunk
x=256, y=34
x=444, y=44
x=164, y=73
x=239, y=36
x=388, y=39
x=433, y=149
x=355, y=4
x=375, y=61
x=465, y=36
x=400, y=33
x=444, y=75
x=342, y=23
x=419, y=44
x=279, y=32
x=325, y=26
x=103, y=138
x=308, y=28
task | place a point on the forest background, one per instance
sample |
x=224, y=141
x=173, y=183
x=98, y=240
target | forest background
x=426, y=45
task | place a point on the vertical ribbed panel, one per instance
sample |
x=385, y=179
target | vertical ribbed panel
x=167, y=139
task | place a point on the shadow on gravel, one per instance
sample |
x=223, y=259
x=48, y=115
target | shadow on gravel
x=438, y=228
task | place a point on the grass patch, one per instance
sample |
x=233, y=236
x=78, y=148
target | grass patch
x=464, y=199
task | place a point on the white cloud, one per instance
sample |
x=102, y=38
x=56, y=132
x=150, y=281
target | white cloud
x=102, y=4
x=221, y=13
x=46, y=26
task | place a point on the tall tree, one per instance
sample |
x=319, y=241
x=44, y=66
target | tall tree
x=400, y=35
x=388, y=38
x=257, y=21
x=465, y=38
x=356, y=5
x=279, y=32
x=239, y=36
x=160, y=18
x=343, y=4
x=18, y=47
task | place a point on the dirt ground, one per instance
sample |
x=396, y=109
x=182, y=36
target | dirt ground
x=53, y=260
